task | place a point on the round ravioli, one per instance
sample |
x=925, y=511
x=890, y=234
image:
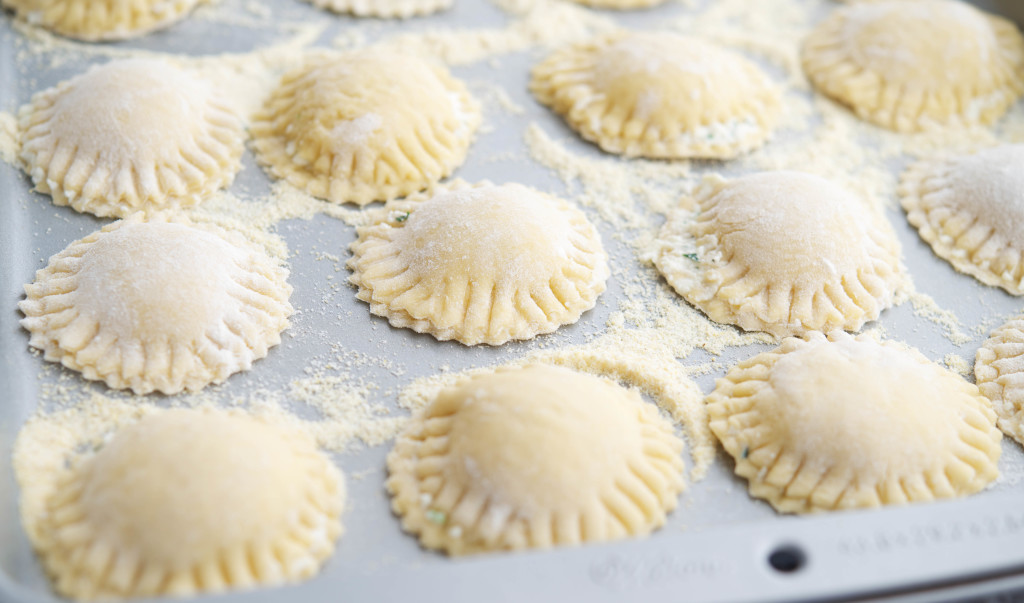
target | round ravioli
x=781, y=252
x=97, y=20
x=970, y=209
x=480, y=264
x=823, y=424
x=659, y=95
x=906, y=64
x=163, y=305
x=186, y=502
x=534, y=457
x=384, y=8
x=999, y=372
x=365, y=126
x=130, y=135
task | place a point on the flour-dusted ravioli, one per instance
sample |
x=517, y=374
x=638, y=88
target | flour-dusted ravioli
x=970, y=209
x=782, y=252
x=906, y=64
x=96, y=20
x=534, y=457
x=844, y=422
x=999, y=373
x=384, y=8
x=480, y=264
x=130, y=135
x=369, y=125
x=188, y=501
x=660, y=95
x=163, y=305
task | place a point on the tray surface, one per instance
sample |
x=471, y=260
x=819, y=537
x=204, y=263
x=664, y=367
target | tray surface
x=717, y=542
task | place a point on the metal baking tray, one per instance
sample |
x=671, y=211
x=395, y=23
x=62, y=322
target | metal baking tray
x=716, y=545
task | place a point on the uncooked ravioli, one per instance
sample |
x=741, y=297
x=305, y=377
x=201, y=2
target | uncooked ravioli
x=130, y=135
x=660, y=95
x=160, y=305
x=999, y=372
x=479, y=264
x=369, y=125
x=534, y=457
x=186, y=502
x=384, y=8
x=822, y=424
x=907, y=64
x=96, y=20
x=782, y=252
x=970, y=209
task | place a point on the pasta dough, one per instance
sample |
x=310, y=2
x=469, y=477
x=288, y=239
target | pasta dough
x=185, y=502
x=479, y=264
x=838, y=423
x=999, y=372
x=365, y=126
x=781, y=252
x=906, y=65
x=163, y=305
x=97, y=20
x=970, y=209
x=130, y=135
x=534, y=457
x=384, y=8
x=659, y=95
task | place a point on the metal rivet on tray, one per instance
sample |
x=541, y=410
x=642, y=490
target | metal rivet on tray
x=787, y=559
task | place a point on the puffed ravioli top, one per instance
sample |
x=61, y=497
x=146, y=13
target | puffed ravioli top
x=97, y=20
x=190, y=501
x=159, y=305
x=367, y=125
x=130, y=135
x=480, y=263
x=842, y=422
x=659, y=94
x=782, y=252
x=970, y=209
x=907, y=65
x=534, y=457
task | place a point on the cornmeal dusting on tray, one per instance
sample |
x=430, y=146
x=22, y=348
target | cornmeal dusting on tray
x=542, y=24
x=958, y=364
x=766, y=31
x=345, y=413
x=246, y=80
x=285, y=202
x=610, y=185
x=925, y=307
x=494, y=95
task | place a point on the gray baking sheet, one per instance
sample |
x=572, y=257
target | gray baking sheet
x=715, y=545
